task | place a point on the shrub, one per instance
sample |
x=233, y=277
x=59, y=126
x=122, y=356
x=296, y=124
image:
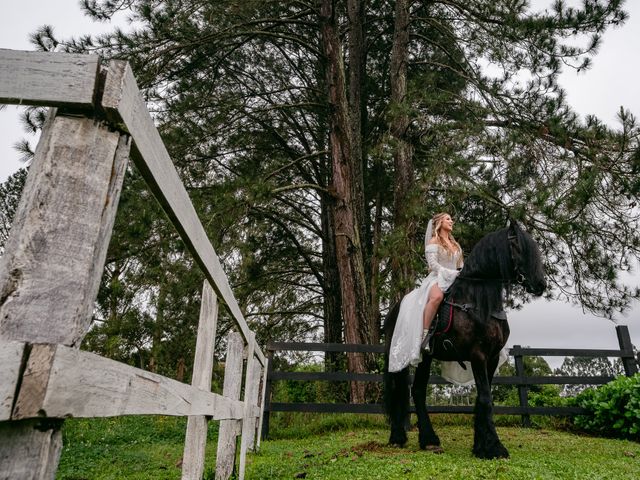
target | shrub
x=614, y=408
x=547, y=396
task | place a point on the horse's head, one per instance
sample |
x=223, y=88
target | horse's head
x=528, y=269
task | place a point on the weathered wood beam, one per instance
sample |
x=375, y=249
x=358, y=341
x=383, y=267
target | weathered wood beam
x=124, y=106
x=10, y=362
x=61, y=382
x=37, y=440
x=196, y=436
x=230, y=429
x=263, y=398
x=48, y=79
x=248, y=427
x=54, y=257
x=253, y=399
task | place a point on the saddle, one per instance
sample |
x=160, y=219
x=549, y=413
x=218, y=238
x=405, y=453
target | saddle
x=444, y=320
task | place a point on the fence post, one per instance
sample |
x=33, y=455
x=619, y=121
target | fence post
x=196, y=436
x=263, y=395
x=247, y=431
x=230, y=429
x=266, y=406
x=54, y=259
x=627, y=357
x=523, y=390
x=254, y=401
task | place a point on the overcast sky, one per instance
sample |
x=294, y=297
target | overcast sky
x=609, y=84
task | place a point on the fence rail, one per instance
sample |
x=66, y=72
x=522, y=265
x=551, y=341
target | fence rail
x=520, y=380
x=54, y=259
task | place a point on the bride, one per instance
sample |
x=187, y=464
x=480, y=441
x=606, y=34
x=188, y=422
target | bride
x=419, y=307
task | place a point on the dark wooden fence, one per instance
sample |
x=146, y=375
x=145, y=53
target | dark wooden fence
x=523, y=382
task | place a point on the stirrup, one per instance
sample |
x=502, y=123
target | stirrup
x=425, y=345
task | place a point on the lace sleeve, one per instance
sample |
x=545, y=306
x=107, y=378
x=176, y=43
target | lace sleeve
x=446, y=274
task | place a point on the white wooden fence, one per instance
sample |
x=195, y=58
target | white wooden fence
x=53, y=262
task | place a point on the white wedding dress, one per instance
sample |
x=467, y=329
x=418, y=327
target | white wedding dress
x=407, y=335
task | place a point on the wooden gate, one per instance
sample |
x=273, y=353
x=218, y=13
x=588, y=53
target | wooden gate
x=52, y=265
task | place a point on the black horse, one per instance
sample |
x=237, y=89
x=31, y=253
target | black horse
x=478, y=332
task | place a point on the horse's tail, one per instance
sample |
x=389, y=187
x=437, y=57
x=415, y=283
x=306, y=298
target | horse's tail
x=396, y=387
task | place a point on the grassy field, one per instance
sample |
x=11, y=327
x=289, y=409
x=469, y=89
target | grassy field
x=343, y=447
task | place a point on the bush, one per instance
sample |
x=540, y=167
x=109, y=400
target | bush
x=547, y=396
x=614, y=408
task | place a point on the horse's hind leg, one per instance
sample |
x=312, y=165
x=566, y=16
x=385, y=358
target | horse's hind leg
x=426, y=435
x=397, y=405
x=486, y=443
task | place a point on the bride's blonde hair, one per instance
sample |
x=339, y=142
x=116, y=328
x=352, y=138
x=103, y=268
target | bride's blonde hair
x=448, y=243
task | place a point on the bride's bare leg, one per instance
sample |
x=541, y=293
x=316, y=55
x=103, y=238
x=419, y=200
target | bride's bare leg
x=430, y=309
x=429, y=312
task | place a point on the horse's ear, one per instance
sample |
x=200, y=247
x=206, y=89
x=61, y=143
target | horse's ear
x=512, y=225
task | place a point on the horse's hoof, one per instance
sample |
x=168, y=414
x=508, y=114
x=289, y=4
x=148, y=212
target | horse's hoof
x=430, y=443
x=437, y=449
x=398, y=441
x=498, y=451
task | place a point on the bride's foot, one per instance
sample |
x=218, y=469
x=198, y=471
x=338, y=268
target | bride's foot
x=424, y=345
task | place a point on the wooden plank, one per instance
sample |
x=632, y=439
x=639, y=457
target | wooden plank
x=552, y=380
x=564, y=352
x=124, y=105
x=196, y=436
x=34, y=381
x=523, y=390
x=267, y=396
x=263, y=396
x=39, y=440
x=75, y=390
x=627, y=357
x=438, y=380
x=230, y=429
x=254, y=392
x=375, y=408
x=248, y=429
x=324, y=347
x=54, y=257
x=48, y=79
x=345, y=347
x=327, y=407
x=10, y=363
x=328, y=376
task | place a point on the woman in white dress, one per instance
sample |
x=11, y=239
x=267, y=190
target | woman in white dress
x=419, y=307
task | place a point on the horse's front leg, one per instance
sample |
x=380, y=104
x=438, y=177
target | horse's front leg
x=426, y=435
x=486, y=443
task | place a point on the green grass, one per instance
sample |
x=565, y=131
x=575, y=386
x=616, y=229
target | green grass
x=127, y=447
x=363, y=454
x=347, y=447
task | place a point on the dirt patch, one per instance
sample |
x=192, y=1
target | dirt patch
x=360, y=449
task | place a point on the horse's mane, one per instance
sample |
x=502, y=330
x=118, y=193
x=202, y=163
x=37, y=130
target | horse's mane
x=485, y=274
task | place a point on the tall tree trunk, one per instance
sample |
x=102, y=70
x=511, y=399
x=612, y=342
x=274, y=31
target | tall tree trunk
x=331, y=284
x=356, y=59
x=355, y=307
x=401, y=265
x=357, y=115
x=374, y=263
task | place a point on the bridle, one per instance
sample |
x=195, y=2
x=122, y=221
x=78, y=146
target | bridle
x=514, y=248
